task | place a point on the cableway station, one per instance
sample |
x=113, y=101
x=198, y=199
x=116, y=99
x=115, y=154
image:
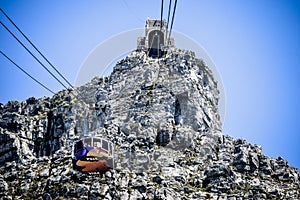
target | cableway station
x=156, y=40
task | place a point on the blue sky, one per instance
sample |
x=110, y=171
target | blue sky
x=255, y=46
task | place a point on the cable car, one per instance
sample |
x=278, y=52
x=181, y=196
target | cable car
x=93, y=154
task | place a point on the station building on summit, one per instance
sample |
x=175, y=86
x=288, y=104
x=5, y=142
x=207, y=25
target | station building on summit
x=156, y=40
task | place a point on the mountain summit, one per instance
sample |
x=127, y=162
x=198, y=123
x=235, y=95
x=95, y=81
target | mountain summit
x=161, y=114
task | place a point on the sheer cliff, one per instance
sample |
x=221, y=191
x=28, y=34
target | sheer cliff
x=162, y=117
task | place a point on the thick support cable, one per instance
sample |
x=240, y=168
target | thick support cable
x=20, y=68
x=161, y=13
x=36, y=49
x=170, y=3
x=34, y=56
x=172, y=22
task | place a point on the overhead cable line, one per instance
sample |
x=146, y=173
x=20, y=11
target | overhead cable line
x=161, y=12
x=169, y=13
x=26, y=72
x=132, y=12
x=34, y=56
x=74, y=89
x=172, y=21
x=53, y=67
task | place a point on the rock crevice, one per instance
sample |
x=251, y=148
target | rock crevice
x=162, y=116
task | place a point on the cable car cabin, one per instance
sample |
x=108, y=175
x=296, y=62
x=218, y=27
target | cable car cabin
x=92, y=154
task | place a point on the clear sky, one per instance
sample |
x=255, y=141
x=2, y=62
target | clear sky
x=255, y=45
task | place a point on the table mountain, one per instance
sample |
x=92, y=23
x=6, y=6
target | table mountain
x=162, y=116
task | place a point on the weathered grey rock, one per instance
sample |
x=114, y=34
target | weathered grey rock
x=47, y=196
x=44, y=173
x=3, y=186
x=161, y=115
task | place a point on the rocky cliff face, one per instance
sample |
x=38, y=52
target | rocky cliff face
x=161, y=115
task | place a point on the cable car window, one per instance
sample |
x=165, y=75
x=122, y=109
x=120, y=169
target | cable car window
x=105, y=145
x=97, y=143
x=88, y=142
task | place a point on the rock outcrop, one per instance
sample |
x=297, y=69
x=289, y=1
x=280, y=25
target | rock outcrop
x=161, y=115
